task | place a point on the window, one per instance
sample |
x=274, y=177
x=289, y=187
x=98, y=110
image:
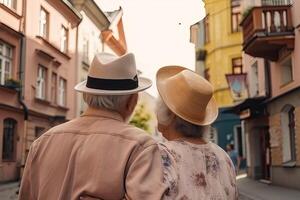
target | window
x=206, y=29
x=54, y=88
x=254, y=80
x=85, y=50
x=41, y=82
x=288, y=133
x=5, y=63
x=39, y=131
x=64, y=39
x=206, y=74
x=237, y=66
x=235, y=15
x=44, y=22
x=62, y=92
x=9, y=139
x=286, y=71
x=9, y=3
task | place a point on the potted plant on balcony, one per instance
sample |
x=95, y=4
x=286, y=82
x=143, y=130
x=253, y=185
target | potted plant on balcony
x=12, y=84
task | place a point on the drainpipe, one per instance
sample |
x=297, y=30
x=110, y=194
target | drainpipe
x=21, y=98
x=268, y=78
x=22, y=83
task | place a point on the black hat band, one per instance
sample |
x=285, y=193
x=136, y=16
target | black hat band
x=112, y=84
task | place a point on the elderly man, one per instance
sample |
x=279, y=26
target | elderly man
x=98, y=155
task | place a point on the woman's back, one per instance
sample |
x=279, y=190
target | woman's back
x=197, y=171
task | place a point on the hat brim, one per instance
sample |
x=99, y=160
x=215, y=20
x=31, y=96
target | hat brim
x=211, y=112
x=144, y=84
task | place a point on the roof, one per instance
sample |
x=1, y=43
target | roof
x=70, y=6
x=114, y=16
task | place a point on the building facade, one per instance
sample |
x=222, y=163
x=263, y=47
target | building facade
x=89, y=40
x=271, y=114
x=11, y=109
x=223, y=43
x=218, y=43
x=98, y=32
x=38, y=73
x=197, y=37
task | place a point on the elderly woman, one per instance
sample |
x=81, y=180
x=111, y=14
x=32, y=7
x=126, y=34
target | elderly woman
x=193, y=167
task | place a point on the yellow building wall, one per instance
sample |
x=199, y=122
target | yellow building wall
x=222, y=47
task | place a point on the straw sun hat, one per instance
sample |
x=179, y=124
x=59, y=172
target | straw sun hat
x=113, y=75
x=187, y=94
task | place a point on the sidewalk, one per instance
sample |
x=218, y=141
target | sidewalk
x=253, y=190
x=8, y=191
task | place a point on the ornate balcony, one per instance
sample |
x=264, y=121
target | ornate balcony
x=268, y=31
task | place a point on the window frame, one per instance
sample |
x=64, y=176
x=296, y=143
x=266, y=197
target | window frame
x=206, y=29
x=85, y=51
x=235, y=66
x=282, y=83
x=38, y=131
x=237, y=16
x=12, y=155
x=62, y=92
x=64, y=39
x=287, y=121
x=54, y=88
x=39, y=92
x=9, y=3
x=46, y=24
x=4, y=58
x=255, y=79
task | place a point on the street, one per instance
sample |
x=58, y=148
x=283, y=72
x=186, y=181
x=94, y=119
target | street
x=248, y=190
x=8, y=191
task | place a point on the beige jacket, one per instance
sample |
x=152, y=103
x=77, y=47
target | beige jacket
x=96, y=156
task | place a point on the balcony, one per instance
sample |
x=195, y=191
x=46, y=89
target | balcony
x=268, y=31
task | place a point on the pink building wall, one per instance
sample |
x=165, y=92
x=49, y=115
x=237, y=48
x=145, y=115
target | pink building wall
x=67, y=68
x=277, y=87
x=248, y=62
x=10, y=34
x=23, y=22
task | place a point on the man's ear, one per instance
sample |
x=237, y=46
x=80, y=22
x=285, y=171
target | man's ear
x=132, y=101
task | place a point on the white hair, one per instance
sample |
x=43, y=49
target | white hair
x=109, y=102
x=165, y=117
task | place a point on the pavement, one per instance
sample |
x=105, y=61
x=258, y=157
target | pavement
x=250, y=189
x=8, y=191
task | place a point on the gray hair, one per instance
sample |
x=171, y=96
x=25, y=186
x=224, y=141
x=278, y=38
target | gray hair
x=164, y=117
x=109, y=102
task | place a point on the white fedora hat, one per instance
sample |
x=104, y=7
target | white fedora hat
x=187, y=94
x=112, y=75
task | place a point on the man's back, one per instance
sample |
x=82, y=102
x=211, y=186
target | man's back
x=96, y=155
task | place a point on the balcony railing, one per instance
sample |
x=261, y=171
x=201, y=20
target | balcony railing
x=267, y=25
x=276, y=2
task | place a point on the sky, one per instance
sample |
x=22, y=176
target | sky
x=158, y=32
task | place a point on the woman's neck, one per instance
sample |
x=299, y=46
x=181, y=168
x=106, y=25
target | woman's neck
x=173, y=134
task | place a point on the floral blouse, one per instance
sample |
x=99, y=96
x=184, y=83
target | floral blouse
x=197, y=171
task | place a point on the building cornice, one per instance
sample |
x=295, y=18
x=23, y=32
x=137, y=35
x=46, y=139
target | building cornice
x=93, y=12
x=68, y=10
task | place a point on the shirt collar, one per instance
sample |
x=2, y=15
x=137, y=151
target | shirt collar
x=96, y=112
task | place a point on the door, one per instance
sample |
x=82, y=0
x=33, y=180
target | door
x=265, y=153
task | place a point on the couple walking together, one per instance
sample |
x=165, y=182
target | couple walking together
x=99, y=156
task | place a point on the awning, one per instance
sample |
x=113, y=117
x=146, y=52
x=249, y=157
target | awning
x=254, y=103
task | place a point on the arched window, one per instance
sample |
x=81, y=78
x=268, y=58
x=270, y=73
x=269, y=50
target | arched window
x=9, y=139
x=288, y=133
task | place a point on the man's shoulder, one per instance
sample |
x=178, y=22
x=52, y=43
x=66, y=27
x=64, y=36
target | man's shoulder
x=102, y=127
x=133, y=133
